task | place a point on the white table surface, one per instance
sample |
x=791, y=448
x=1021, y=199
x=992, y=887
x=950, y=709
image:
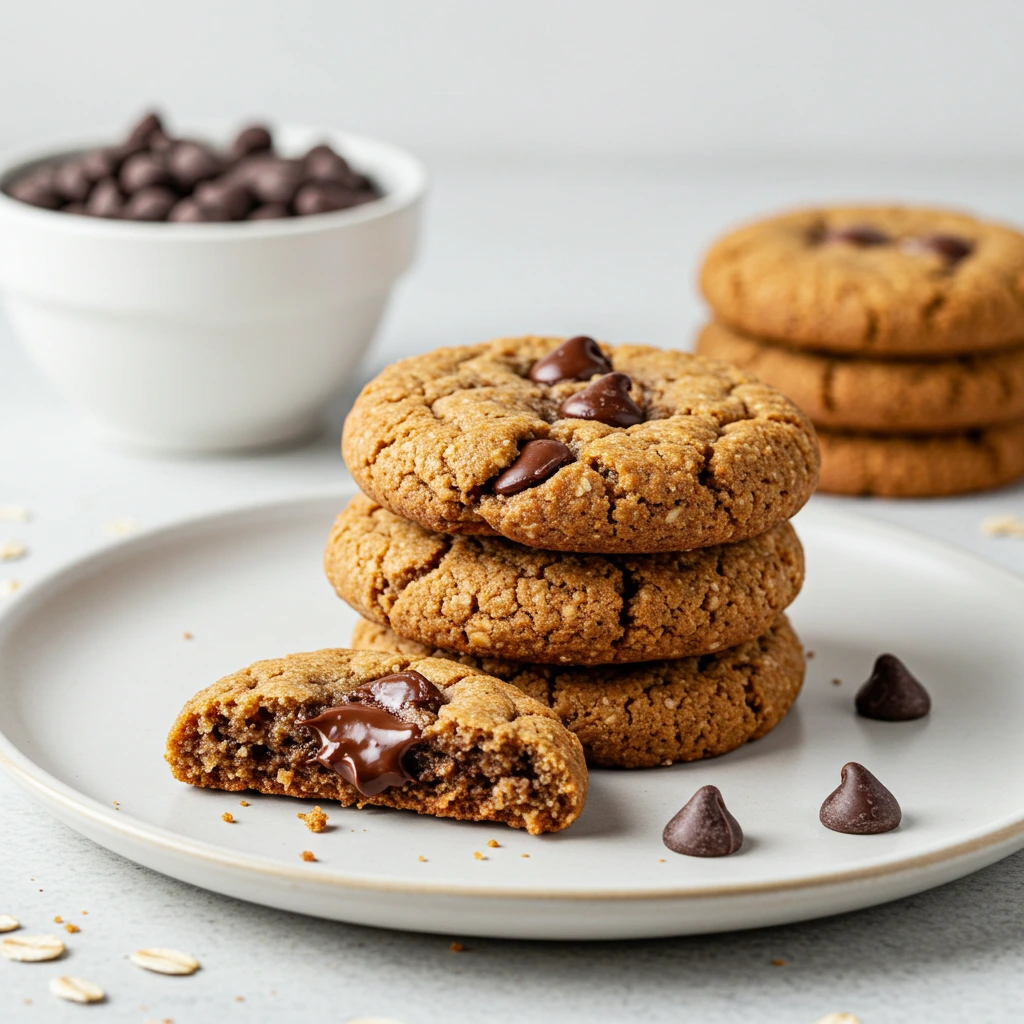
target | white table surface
x=608, y=250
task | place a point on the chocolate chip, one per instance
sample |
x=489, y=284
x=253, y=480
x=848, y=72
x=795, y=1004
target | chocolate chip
x=143, y=170
x=861, y=805
x=270, y=211
x=578, y=358
x=153, y=203
x=401, y=690
x=78, y=208
x=537, y=461
x=105, y=200
x=37, y=189
x=188, y=211
x=321, y=163
x=891, y=693
x=273, y=180
x=145, y=128
x=228, y=199
x=72, y=182
x=863, y=236
x=323, y=197
x=190, y=163
x=704, y=827
x=101, y=163
x=607, y=400
x=254, y=139
x=951, y=248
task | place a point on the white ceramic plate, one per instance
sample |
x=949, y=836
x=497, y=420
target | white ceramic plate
x=94, y=667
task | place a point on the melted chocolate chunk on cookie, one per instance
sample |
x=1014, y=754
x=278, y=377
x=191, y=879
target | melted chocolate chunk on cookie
x=860, y=805
x=704, y=827
x=892, y=694
x=537, y=461
x=397, y=691
x=578, y=358
x=863, y=236
x=606, y=400
x=952, y=248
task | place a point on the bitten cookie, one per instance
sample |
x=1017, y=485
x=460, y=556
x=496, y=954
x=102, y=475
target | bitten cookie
x=570, y=446
x=925, y=466
x=882, y=396
x=492, y=597
x=421, y=734
x=875, y=281
x=642, y=716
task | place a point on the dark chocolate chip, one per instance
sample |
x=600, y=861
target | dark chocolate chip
x=321, y=163
x=861, y=805
x=861, y=235
x=144, y=129
x=892, y=694
x=190, y=163
x=105, y=200
x=401, y=690
x=72, y=182
x=188, y=211
x=143, y=170
x=270, y=211
x=951, y=248
x=153, y=203
x=704, y=827
x=273, y=180
x=537, y=461
x=254, y=139
x=365, y=745
x=37, y=188
x=323, y=197
x=578, y=358
x=101, y=163
x=78, y=208
x=607, y=400
x=228, y=199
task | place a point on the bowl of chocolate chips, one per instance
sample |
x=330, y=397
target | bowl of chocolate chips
x=197, y=295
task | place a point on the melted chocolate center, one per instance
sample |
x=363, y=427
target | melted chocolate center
x=537, y=461
x=606, y=400
x=576, y=359
x=401, y=690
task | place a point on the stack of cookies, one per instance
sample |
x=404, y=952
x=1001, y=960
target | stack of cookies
x=899, y=331
x=604, y=527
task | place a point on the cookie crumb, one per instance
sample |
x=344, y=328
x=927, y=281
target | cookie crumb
x=778, y=963
x=71, y=929
x=243, y=803
x=58, y=919
x=493, y=844
x=477, y=855
x=524, y=855
x=457, y=947
x=116, y=803
x=316, y=820
x=239, y=999
x=422, y=859
x=1003, y=526
x=123, y=526
x=187, y=636
x=86, y=912
x=14, y=514
x=8, y=587
x=661, y=860
x=228, y=817
x=308, y=856
x=809, y=655
x=837, y=682
x=12, y=550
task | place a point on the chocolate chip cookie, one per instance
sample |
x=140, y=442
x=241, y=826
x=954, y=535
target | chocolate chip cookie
x=491, y=597
x=658, y=713
x=907, y=396
x=877, y=281
x=575, y=446
x=922, y=466
x=421, y=734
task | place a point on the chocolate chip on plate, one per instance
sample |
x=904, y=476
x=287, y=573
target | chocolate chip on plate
x=863, y=236
x=152, y=203
x=537, y=461
x=892, y=693
x=607, y=400
x=578, y=358
x=703, y=827
x=860, y=805
x=254, y=139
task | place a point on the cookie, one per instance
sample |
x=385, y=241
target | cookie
x=924, y=466
x=882, y=395
x=444, y=739
x=877, y=281
x=491, y=597
x=463, y=440
x=658, y=713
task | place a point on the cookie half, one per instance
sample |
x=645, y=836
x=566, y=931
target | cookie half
x=881, y=395
x=642, y=716
x=361, y=728
x=717, y=456
x=872, y=280
x=494, y=598
x=924, y=466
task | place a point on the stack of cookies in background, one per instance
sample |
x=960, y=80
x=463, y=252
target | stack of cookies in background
x=604, y=527
x=899, y=331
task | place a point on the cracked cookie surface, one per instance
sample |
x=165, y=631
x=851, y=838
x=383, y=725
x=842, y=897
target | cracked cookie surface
x=719, y=457
x=882, y=396
x=879, y=281
x=657, y=713
x=489, y=596
x=490, y=753
x=922, y=466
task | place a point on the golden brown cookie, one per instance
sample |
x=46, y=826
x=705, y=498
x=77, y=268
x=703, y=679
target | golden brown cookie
x=881, y=395
x=642, y=716
x=452, y=742
x=872, y=280
x=718, y=456
x=923, y=466
x=491, y=597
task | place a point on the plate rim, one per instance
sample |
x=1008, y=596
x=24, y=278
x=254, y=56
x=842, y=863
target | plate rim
x=46, y=787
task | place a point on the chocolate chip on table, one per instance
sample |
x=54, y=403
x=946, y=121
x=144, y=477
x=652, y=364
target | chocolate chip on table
x=37, y=189
x=153, y=203
x=270, y=211
x=578, y=358
x=224, y=194
x=537, y=461
x=860, y=805
x=704, y=827
x=190, y=163
x=891, y=693
x=254, y=139
x=863, y=236
x=143, y=170
x=105, y=200
x=607, y=400
x=952, y=248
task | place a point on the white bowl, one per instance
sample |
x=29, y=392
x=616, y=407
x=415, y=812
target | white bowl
x=203, y=337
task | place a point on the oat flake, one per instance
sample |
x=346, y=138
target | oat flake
x=164, y=961
x=76, y=990
x=32, y=948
